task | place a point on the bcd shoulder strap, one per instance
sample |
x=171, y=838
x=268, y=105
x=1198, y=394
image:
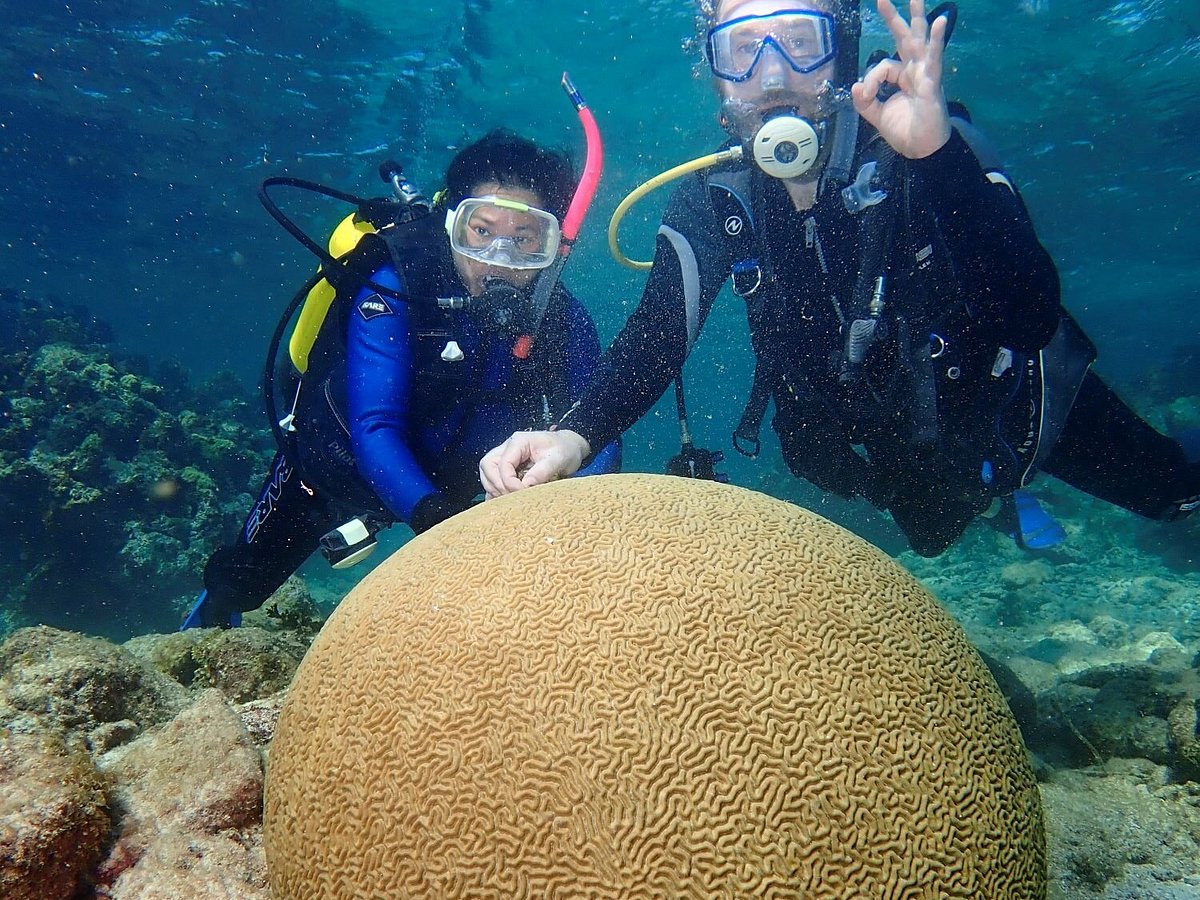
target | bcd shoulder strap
x=538, y=381
x=731, y=193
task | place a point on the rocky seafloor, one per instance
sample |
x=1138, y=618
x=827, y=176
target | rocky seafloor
x=136, y=770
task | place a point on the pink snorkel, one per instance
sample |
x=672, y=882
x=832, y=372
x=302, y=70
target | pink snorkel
x=584, y=193
x=591, y=169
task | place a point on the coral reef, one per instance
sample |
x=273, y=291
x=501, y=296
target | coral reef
x=668, y=686
x=114, y=485
x=186, y=824
x=1096, y=646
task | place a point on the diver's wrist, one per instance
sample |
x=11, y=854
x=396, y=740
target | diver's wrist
x=580, y=447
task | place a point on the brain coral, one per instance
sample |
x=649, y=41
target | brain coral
x=642, y=686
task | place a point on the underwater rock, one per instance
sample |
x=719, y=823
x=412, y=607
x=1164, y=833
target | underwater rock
x=245, y=663
x=1098, y=699
x=185, y=795
x=53, y=818
x=224, y=866
x=1184, y=723
x=291, y=608
x=1121, y=830
x=172, y=654
x=184, y=790
x=261, y=717
x=1124, y=716
x=256, y=660
x=198, y=772
x=53, y=680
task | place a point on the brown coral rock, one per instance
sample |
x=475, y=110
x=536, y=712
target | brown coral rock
x=636, y=686
x=53, y=817
x=199, y=772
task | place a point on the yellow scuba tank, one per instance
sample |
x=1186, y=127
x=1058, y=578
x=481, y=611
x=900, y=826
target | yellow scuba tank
x=314, y=299
x=316, y=305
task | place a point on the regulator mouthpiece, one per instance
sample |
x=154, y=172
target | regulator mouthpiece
x=786, y=146
x=502, y=307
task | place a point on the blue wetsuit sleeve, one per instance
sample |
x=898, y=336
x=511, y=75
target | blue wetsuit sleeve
x=583, y=356
x=1009, y=281
x=379, y=368
x=691, y=263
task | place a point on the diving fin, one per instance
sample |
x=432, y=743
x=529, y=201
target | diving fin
x=1033, y=527
x=202, y=615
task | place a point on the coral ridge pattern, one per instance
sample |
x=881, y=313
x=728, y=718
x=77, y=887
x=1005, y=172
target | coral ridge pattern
x=638, y=685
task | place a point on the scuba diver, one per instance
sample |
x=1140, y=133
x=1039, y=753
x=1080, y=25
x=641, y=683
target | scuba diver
x=444, y=334
x=904, y=317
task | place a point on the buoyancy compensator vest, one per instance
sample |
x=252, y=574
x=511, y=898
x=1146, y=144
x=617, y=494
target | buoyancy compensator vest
x=341, y=269
x=912, y=358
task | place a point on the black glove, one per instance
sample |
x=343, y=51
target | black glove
x=433, y=508
x=233, y=585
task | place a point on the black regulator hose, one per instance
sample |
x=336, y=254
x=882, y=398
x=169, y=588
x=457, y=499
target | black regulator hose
x=288, y=225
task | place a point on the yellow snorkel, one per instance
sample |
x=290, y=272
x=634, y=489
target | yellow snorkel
x=703, y=162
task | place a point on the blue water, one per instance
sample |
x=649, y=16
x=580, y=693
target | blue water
x=134, y=135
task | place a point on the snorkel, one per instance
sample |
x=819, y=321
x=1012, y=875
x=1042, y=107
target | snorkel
x=573, y=220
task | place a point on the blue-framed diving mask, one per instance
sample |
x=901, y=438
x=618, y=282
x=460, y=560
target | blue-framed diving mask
x=502, y=232
x=803, y=38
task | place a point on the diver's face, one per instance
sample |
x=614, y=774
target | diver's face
x=773, y=83
x=493, y=224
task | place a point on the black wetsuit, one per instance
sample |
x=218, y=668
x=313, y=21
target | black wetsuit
x=1003, y=296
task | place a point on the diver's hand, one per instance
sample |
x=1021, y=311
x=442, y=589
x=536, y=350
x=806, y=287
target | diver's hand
x=914, y=120
x=531, y=457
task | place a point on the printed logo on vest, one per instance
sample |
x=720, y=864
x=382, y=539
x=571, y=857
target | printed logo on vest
x=733, y=226
x=374, y=306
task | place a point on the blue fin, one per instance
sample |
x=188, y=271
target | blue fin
x=195, y=617
x=1036, y=528
x=192, y=619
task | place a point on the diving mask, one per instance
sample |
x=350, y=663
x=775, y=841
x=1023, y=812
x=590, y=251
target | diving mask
x=501, y=232
x=803, y=38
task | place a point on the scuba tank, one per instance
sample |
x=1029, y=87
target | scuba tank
x=316, y=295
x=407, y=205
x=354, y=540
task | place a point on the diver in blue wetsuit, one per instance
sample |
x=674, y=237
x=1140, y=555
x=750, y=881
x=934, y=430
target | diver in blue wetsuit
x=443, y=348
